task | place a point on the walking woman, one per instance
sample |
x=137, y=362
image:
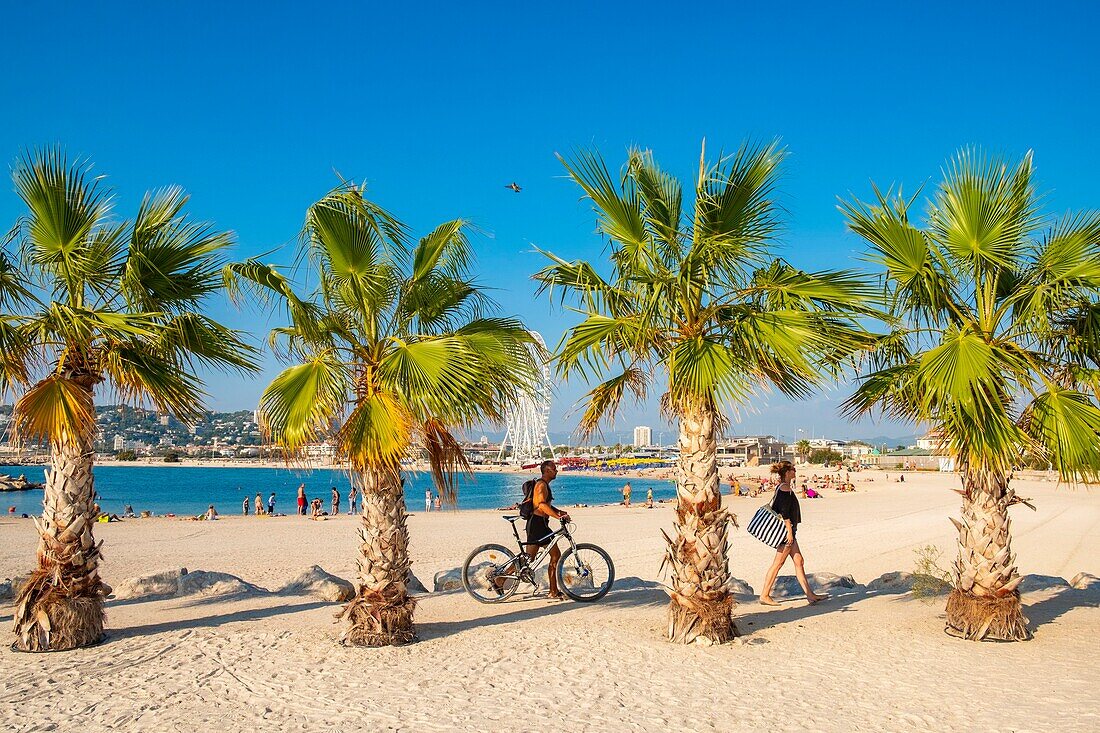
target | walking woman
x=785, y=505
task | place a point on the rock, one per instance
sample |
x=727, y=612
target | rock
x=414, y=585
x=1085, y=581
x=739, y=587
x=316, y=582
x=446, y=580
x=786, y=586
x=210, y=583
x=163, y=583
x=1032, y=583
x=7, y=590
x=898, y=581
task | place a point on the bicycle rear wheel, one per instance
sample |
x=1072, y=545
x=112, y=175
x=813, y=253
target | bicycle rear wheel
x=490, y=574
x=587, y=574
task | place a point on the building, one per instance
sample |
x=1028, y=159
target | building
x=753, y=450
x=643, y=436
x=120, y=443
x=931, y=441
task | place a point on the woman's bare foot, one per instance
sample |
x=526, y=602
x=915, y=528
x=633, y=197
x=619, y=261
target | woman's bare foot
x=768, y=601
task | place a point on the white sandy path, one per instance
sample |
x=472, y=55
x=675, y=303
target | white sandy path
x=860, y=662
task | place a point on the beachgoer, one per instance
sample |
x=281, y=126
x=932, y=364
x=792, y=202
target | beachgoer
x=315, y=508
x=128, y=512
x=302, y=499
x=427, y=500
x=335, y=502
x=626, y=493
x=438, y=502
x=353, y=498
x=244, y=506
x=538, y=526
x=259, y=505
x=649, y=498
x=211, y=513
x=785, y=504
x=271, y=504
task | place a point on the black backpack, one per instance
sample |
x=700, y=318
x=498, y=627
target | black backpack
x=527, y=505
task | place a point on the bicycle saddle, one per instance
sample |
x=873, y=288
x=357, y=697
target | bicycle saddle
x=512, y=517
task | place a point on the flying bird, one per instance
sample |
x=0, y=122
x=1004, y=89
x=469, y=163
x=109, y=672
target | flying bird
x=514, y=186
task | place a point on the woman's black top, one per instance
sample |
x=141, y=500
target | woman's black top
x=786, y=506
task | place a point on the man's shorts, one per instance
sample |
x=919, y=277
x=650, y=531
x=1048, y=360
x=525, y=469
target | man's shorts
x=538, y=527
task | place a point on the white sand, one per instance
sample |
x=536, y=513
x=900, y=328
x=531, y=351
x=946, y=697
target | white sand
x=861, y=662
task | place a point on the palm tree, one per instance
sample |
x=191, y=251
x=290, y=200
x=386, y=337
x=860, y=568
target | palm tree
x=996, y=348
x=803, y=448
x=697, y=297
x=394, y=347
x=102, y=302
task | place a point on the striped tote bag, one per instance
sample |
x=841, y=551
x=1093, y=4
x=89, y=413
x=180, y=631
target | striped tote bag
x=767, y=526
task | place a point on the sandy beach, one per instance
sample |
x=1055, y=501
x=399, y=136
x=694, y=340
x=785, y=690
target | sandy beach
x=863, y=661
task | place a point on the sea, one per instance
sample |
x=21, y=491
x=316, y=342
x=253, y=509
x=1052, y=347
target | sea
x=185, y=490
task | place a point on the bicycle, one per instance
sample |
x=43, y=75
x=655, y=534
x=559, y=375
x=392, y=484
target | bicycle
x=493, y=573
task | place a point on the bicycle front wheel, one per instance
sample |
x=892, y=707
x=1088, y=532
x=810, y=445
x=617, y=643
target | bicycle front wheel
x=585, y=574
x=490, y=574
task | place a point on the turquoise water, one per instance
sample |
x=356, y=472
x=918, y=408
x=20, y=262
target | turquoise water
x=189, y=490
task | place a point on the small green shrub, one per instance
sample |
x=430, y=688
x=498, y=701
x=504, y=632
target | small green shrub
x=930, y=579
x=126, y=455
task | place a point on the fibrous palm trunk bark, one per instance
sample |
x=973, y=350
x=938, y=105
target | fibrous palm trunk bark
x=60, y=606
x=701, y=607
x=382, y=611
x=985, y=603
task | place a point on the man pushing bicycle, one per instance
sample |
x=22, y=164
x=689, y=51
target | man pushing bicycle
x=538, y=524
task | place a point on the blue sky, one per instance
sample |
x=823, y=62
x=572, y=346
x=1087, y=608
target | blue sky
x=251, y=107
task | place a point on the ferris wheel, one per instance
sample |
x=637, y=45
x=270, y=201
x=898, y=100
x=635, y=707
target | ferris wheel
x=529, y=419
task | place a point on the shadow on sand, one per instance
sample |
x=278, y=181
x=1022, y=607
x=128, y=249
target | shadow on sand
x=129, y=632
x=628, y=592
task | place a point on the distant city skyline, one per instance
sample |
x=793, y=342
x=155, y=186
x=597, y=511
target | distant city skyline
x=444, y=111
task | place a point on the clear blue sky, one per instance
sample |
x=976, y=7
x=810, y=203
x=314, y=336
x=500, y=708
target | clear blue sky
x=250, y=107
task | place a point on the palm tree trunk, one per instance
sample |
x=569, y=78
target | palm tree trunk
x=985, y=603
x=60, y=606
x=700, y=606
x=382, y=611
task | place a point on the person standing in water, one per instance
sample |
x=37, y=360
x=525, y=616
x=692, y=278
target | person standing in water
x=302, y=499
x=353, y=497
x=627, y=491
x=271, y=504
x=259, y=505
x=244, y=506
x=427, y=500
x=335, y=502
x=785, y=504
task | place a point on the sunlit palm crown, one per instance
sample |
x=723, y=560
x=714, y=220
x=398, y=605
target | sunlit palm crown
x=695, y=291
x=998, y=331
x=87, y=299
x=395, y=343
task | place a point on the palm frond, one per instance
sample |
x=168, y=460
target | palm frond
x=446, y=459
x=984, y=210
x=66, y=207
x=303, y=401
x=172, y=263
x=139, y=373
x=56, y=410
x=377, y=433
x=1066, y=424
x=604, y=400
